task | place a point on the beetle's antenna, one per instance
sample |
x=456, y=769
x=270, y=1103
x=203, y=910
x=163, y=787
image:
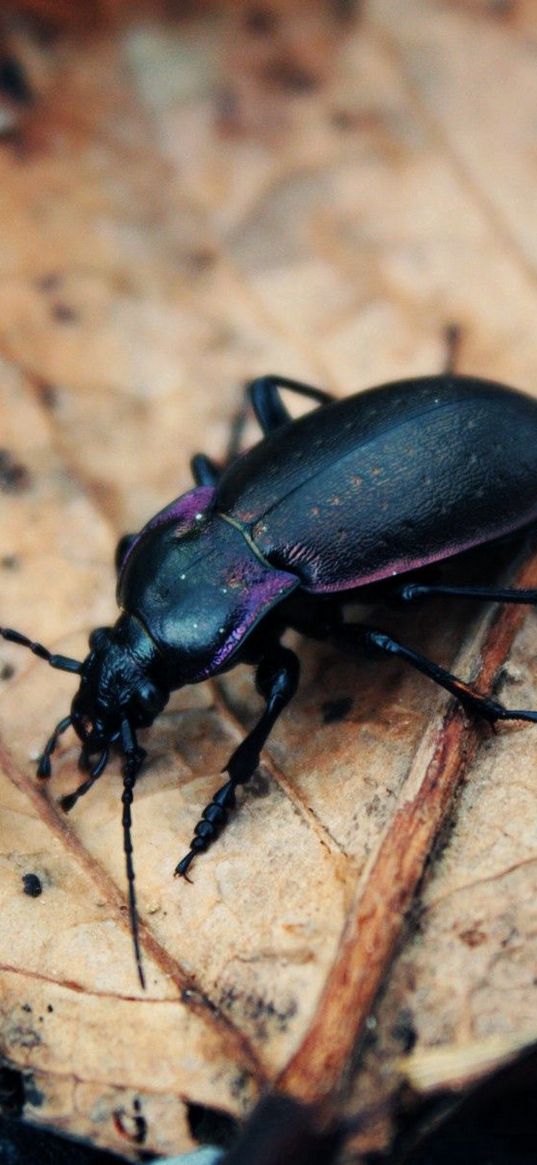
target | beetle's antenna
x=133, y=760
x=43, y=766
x=60, y=661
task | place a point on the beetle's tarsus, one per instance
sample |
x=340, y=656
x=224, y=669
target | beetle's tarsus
x=242, y=764
x=70, y=799
x=44, y=767
x=210, y=825
x=181, y=869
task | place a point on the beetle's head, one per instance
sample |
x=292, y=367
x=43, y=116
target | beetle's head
x=116, y=687
x=118, y=694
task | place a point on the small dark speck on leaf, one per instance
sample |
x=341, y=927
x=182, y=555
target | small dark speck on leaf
x=49, y=282
x=502, y=8
x=9, y=562
x=239, y=1083
x=14, y=477
x=228, y=112
x=473, y=936
x=63, y=313
x=336, y=710
x=366, y=120
x=344, y=119
x=288, y=74
x=13, y=81
x=49, y=396
x=404, y=1030
x=346, y=9
x=202, y=258
x=261, y=21
x=33, y=886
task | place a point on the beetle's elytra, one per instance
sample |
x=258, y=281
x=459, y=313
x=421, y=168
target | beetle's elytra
x=371, y=487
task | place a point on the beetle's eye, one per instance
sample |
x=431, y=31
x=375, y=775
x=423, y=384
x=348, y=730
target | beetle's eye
x=148, y=702
x=149, y=698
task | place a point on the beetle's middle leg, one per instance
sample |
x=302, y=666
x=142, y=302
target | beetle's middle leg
x=472, y=701
x=277, y=681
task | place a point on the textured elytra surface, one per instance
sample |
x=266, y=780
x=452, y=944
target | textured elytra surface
x=188, y=205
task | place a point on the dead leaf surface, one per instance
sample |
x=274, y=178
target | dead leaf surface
x=189, y=204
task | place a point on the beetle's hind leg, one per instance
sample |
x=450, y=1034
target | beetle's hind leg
x=472, y=701
x=277, y=681
x=412, y=591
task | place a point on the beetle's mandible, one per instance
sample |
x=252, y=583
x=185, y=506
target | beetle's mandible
x=358, y=490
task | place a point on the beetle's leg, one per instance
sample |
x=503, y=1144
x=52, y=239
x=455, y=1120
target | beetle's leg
x=208, y=472
x=43, y=764
x=267, y=404
x=204, y=471
x=277, y=681
x=264, y=397
x=70, y=799
x=470, y=699
x=483, y=594
x=122, y=549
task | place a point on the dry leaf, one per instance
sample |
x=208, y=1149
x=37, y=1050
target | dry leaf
x=191, y=203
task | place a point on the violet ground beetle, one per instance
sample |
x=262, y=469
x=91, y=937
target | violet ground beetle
x=362, y=489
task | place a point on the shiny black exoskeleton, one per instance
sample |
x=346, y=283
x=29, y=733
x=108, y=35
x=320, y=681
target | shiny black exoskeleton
x=363, y=489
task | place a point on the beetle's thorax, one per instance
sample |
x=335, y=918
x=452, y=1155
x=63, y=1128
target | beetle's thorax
x=198, y=587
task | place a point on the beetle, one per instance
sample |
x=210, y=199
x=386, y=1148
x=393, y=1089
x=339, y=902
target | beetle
x=358, y=490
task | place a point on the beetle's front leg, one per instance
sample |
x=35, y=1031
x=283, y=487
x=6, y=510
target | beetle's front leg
x=277, y=681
